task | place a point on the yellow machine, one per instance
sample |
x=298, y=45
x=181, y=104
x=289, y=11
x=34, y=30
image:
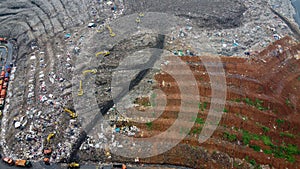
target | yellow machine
x=141, y=14
x=104, y=53
x=138, y=20
x=80, y=92
x=112, y=34
x=50, y=136
x=72, y=114
x=94, y=71
x=73, y=165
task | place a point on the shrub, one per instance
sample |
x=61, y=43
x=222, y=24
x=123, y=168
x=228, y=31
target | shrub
x=255, y=148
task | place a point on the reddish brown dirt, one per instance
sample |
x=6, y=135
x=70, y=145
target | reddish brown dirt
x=271, y=76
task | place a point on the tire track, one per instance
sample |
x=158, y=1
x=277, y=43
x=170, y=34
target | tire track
x=46, y=13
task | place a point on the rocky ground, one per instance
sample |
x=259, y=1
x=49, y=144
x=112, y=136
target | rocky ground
x=53, y=45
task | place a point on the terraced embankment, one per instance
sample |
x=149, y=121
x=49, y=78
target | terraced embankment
x=260, y=121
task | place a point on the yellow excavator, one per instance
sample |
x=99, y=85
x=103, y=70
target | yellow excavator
x=141, y=14
x=80, y=92
x=50, y=136
x=138, y=20
x=72, y=114
x=94, y=71
x=111, y=33
x=104, y=53
x=73, y=165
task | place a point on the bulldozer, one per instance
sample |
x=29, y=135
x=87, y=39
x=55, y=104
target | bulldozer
x=72, y=114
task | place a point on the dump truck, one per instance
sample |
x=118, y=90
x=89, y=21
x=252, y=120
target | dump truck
x=23, y=163
x=73, y=165
x=4, y=86
x=8, y=160
x=2, y=102
x=2, y=74
x=3, y=93
x=8, y=68
x=72, y=114
x=6, y=77
x=47, y=161
x=122, y=166
x=47, y=151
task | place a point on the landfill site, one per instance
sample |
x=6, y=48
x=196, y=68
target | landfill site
x=172, y=84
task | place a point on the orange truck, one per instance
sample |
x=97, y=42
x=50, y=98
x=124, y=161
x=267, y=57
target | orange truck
x=8, y=160
x=3, y=93
x=23, y=163
x=2, y=75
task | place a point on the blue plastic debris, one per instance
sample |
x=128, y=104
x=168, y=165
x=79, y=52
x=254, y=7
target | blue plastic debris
x=68, y=35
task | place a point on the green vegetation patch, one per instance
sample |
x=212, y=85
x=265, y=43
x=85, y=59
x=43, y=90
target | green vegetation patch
x=285, y=134
x=149, y=125
x=230, y=137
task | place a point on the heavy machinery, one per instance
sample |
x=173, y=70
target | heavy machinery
x=47, y=151
x=50, y=136
x=46, y=160
x=72, y=114
x=104, y=53
x=94, y=71
x=80, y=92
x=73, y=165
x=8, y=160
x=2, y=74
x=111, y=33
x=23, y=163
x=3, y=93
x=138, y=20
x=2, y=102
x=141, y=14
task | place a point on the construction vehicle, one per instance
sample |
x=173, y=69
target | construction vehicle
x=80, y=92
x=46, y=160
x=50, y=136
x=138, y=20
x=3, y=93
x=123, y=166
x=8, y=160
x=72, y=114
x=8, y=68
x=111, y=33
x=104, y=53
x=73, y=165
x=23, y=163
x=4, y=86
x=94, y=71
x=1, y=82
x=2, y=74
x=6, y=77
x=47, y=151
x=141, y=14
x=2, y=102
